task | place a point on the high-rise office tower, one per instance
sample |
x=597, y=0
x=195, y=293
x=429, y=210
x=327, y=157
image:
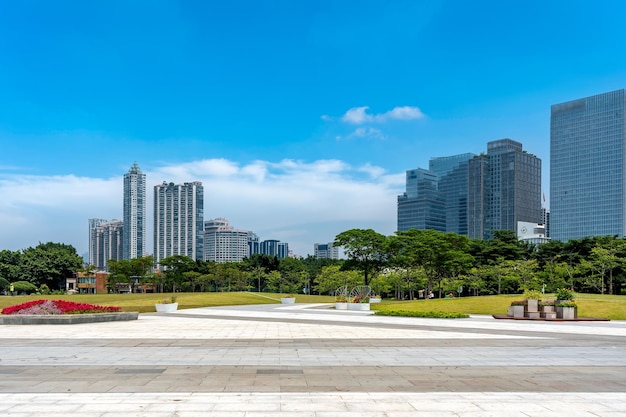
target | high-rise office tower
x=504, y=188
x=178, y=220
x=587, y=167
x=545, y=220
x=421, y=206
x=224, y=243
x=452, y=184
x=134, y=235
x=325, y=251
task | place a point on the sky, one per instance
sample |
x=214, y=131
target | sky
x=299, y=117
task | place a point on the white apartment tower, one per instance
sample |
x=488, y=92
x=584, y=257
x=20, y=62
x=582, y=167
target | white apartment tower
x=134, y=234
x=178, y=220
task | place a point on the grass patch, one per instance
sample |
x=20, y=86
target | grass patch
x=611, y=307
x=144, y=303
x=589, y=305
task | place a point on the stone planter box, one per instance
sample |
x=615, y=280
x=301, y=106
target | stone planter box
x=532, y=306
x=375, y=300
x=359, y=306
x=68, y=318
x=166, y=308
x=567, y=313
x=516, y=311
x=341, y=306
x=288, y=300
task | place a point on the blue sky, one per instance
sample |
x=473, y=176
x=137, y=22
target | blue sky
x=300, y=117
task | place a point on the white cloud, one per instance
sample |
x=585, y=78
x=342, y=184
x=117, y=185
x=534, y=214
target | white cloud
x=359, y=115
x=404, y=113
x=294, y=201
x=367, y=132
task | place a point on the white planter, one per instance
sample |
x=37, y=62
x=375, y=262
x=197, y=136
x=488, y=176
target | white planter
x=359, y=306
x=341, y=306
x=375, y=300
x=288, y=300
x=166, y=308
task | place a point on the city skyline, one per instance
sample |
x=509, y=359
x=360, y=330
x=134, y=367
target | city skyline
x=299, y=119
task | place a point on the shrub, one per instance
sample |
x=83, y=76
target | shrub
x=422, y=314
x=564, y=294
x=24, y=287
x=533, y=295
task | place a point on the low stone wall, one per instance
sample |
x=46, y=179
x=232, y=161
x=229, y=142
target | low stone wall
x=68, y=318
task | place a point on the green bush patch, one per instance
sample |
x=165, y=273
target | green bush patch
x=422, y=314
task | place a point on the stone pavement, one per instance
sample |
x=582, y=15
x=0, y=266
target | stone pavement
x=310, y=360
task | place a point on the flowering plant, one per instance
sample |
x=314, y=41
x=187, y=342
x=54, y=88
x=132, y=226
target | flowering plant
x=51, y=307
x=361, y=299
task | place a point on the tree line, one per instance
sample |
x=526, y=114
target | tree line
x=405, y=265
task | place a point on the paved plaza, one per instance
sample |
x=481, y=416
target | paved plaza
x=310, y=360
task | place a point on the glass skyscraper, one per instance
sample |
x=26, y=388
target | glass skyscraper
x=587, y=167
x=453, y=186
x=421, y=207
x=474, y=195
x=504, y=188
x=134, y=233
x=178, y=220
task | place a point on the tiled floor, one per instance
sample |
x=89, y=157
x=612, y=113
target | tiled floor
x=308, y=360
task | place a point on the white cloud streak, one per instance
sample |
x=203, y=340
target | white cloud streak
x=359, y=115
x=294, y=201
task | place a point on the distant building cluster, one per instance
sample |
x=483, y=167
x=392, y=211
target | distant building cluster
x=474, y=195
x=179, y=228
x=468, y=194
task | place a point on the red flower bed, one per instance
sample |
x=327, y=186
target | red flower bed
x=58, y=307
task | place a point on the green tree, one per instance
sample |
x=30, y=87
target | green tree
x=522, y=272
x=49, y=263
x=332, y=277
x=365, y=249
x=440, y=255
x=293, y=275
x=10, y=265
x=174, y=268
x=129, y=272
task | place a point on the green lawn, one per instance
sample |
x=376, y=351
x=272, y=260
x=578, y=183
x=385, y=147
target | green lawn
x=589, y=305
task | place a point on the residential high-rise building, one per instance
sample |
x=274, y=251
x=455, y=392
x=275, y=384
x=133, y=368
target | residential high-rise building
x=421, y=206
x=107, y=243
x=93, y=223
x=178, y=220
x=224, y=243
x=325, y=251
x=587, y=167
x=504, y=189
x=134, y=234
